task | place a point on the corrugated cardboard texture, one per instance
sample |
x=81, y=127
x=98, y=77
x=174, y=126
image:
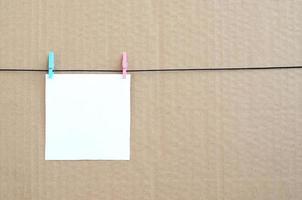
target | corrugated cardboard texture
x=195, y=135
x=204, y=135
x=155, y=33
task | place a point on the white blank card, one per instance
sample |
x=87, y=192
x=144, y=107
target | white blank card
x=87, y=117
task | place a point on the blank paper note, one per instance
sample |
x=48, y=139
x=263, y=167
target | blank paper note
x=87, y=117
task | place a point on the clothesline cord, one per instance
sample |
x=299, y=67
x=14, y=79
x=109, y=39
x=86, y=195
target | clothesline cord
x=158, y=69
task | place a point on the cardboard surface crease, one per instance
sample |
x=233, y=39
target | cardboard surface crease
x=194, y=135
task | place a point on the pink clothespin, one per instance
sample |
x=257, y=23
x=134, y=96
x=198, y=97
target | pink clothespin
x=124, y=64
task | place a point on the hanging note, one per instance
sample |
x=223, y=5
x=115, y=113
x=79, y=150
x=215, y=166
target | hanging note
x=87, y=117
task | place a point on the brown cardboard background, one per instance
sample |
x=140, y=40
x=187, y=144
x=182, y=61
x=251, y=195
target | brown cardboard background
x=195, y=135
x=204, y=135
x=156, y=34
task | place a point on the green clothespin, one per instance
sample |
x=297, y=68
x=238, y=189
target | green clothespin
x=51, y=64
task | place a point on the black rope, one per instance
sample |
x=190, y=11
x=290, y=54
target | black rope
x=156, y=70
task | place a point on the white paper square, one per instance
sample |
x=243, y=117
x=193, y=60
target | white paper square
x=87, y=117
